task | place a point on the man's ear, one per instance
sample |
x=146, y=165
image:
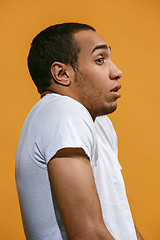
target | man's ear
x=62, y=73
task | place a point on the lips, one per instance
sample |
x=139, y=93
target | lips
x=114, y=91
x=116, y=88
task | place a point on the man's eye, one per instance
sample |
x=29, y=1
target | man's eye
x=100, y=60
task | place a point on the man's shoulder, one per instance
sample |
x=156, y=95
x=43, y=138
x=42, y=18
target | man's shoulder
x=62, y=107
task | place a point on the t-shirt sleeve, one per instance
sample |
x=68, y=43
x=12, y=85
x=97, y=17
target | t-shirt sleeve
x=66, y=132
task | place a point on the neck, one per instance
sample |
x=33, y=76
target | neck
x=46, y=92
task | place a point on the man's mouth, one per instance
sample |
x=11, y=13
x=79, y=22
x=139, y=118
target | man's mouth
x=116, y=88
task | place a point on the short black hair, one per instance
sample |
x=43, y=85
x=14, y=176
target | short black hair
x=55, y=43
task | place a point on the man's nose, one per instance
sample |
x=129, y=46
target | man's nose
x=115, y=73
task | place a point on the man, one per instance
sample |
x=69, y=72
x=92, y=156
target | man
x=68, y=176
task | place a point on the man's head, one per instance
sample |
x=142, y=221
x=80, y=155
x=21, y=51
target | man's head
x=72, y=59
x=97, y=76
x=54, y=44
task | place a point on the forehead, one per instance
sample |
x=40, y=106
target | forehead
x=88, y=40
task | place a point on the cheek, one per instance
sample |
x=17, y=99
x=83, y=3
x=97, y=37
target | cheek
x=96, y=77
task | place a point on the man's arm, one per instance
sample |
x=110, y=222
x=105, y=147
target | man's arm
x=139, y=237
x=73, y=185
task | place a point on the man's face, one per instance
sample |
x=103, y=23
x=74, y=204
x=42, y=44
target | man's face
x=96, y=78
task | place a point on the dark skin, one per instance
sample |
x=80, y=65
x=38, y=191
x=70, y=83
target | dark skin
x=79, y=196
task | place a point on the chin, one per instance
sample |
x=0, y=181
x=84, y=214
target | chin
x=107, y=110
x=103, y=110
x=112, y=109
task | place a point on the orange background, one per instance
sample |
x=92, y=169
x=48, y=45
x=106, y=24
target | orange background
x=131, y=28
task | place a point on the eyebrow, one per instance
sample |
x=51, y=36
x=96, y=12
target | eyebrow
x=104, y=46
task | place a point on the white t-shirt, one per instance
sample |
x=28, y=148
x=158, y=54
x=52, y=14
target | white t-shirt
x=57, y=122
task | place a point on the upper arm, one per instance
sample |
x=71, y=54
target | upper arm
x=74, y=189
